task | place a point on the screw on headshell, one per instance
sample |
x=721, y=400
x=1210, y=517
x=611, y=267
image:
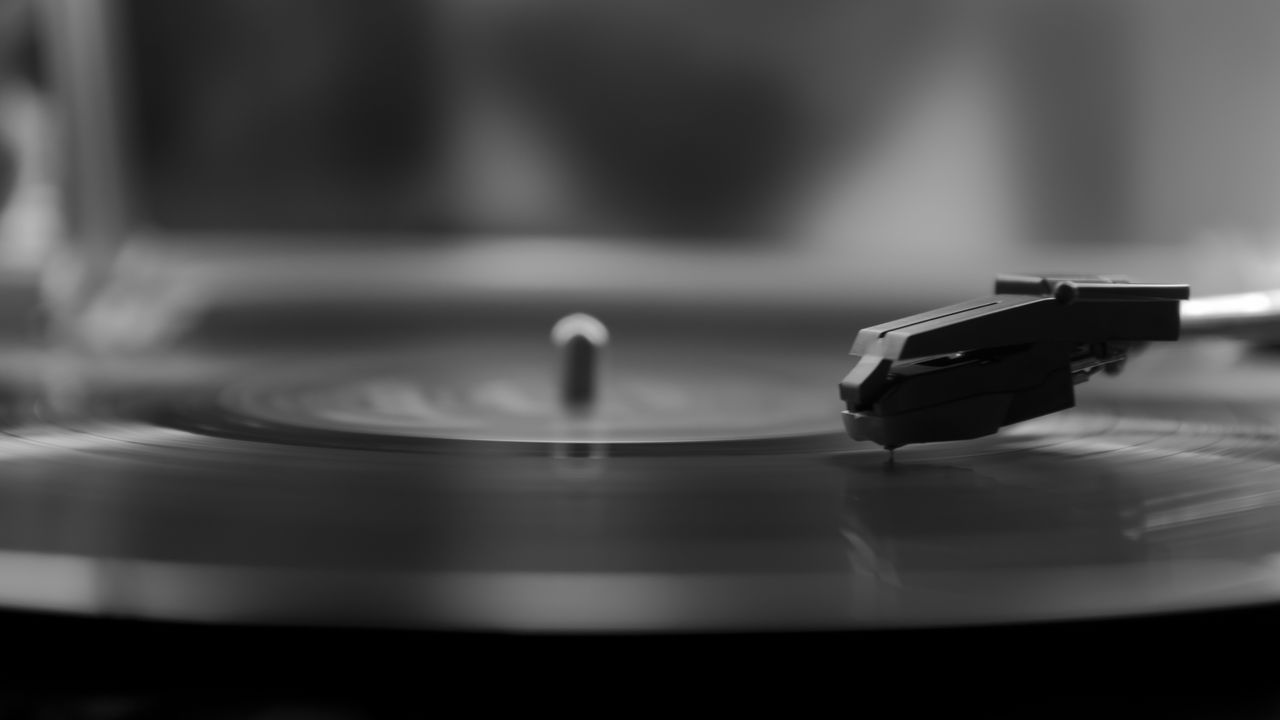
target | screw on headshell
x=582, y=339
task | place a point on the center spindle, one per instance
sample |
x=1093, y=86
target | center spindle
x=581, y=339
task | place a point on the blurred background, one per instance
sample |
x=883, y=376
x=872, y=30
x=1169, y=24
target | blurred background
x=165, y=157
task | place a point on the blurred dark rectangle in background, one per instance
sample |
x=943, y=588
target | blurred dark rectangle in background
x=850, y=146
x=698, y=119
x=702, y=120
x=288, y=115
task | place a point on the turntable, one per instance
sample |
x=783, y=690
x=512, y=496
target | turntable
x=576, y=433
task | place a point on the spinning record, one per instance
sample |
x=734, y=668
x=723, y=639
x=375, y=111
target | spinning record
x=310, y=497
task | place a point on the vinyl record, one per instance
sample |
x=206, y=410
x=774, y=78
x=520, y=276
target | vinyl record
x=243, y=504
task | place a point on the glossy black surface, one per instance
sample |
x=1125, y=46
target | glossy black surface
x=161, y=504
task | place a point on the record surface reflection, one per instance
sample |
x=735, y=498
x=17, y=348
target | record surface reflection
x=1119, y=507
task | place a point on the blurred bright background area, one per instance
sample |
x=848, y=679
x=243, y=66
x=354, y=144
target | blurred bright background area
x=807, y=152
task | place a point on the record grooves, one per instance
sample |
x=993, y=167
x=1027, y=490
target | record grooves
x=192, y=510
